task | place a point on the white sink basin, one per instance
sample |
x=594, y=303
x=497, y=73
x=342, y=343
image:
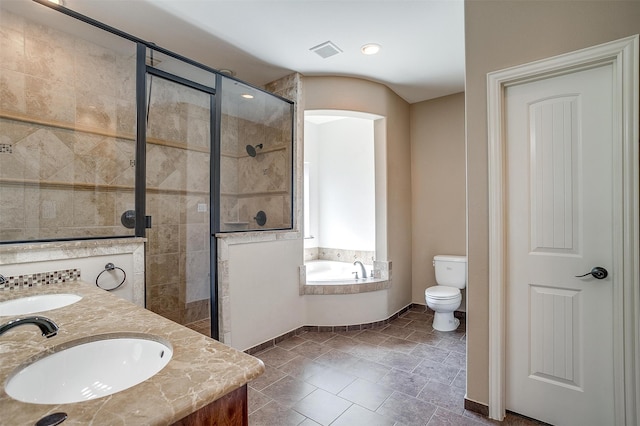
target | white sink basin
x=39, y=303
x=81, y=370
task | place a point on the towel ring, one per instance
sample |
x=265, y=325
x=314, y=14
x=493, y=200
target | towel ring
x=110, y=267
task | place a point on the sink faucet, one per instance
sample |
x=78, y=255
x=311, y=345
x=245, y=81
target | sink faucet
x=364, y=271
x=47, y=327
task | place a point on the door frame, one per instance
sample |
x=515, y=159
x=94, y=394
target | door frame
x=623, y=56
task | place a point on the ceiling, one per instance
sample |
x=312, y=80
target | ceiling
x=422, y=55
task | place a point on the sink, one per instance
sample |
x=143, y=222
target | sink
x=89, y=368
x=38, y=303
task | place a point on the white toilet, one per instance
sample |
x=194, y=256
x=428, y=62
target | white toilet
x=445, y=298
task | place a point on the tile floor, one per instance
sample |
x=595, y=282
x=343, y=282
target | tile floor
x=401, y=374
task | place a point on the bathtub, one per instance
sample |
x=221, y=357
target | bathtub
x=329, y=272
x=338, y=299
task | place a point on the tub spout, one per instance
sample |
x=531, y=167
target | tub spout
x=364, y=271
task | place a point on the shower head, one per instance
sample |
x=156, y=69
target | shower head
x=251, y=150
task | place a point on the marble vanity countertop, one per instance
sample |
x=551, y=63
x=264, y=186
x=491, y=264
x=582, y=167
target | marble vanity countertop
x=201, y=370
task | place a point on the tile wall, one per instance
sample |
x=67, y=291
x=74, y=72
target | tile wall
x=339, y=255
x=178, y=170
x=67, y=163
x=260, y=183
x=67, y=119
x=67, y=156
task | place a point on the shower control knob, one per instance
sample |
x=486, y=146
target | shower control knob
x=598, y=273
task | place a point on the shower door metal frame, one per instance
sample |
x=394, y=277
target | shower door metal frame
x=214, y=162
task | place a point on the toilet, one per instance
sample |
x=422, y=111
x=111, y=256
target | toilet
x=445, y=297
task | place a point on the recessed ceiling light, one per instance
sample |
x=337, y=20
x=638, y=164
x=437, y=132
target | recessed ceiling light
x=370, y=49
x=58, y=2
x=247, y=96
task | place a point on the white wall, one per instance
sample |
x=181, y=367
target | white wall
x=340, y=155
x=264, y=296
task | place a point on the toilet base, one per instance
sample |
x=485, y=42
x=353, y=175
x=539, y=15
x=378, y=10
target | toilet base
x=445, y=321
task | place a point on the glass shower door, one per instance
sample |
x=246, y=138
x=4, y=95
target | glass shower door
x=178, y=198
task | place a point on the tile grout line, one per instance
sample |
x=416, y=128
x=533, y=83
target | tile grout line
x=325, y=347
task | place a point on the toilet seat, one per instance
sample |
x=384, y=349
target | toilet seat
x=442, y=292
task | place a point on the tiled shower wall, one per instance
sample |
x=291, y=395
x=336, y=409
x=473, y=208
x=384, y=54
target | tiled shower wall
x=67, y=119
x=260, y=183
x=67, y=151
x=178, y=168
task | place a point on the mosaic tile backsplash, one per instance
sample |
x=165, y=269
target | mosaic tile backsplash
x=39, y=279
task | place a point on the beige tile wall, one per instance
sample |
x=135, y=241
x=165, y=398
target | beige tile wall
x=67, y=125
x=69, y=120
x=52, y=84
x=260, y=183
x=177, y=183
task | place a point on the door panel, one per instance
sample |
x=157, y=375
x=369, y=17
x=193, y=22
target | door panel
x=178, y=282
x=554, y=144
x=560, y=175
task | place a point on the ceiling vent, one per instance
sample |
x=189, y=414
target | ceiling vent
x=326, y=49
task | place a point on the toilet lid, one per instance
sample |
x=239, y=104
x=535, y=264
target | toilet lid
x=441, y=292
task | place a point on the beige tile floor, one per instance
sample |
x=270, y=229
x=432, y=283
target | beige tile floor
x=401, y=374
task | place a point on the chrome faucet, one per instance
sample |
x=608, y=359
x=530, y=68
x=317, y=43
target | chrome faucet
x=364, y=271
x=47, y=327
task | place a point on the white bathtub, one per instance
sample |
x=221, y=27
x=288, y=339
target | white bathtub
x=332, y=272
x=337, y=298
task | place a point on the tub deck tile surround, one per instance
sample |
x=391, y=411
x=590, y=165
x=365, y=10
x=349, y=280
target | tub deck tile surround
x=200, y=372
x=360, y=287
x=381, y=280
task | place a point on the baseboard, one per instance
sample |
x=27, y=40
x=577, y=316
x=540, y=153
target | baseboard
x=330, y=328
x=476, y=407
x=512, y=418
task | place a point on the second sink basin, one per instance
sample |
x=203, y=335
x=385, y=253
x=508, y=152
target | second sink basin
x=89, y=368
x=38, y=303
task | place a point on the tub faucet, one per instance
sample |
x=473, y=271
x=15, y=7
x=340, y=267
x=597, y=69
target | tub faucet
x=47, y=327
x=364, y=271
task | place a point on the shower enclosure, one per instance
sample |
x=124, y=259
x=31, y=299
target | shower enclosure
x=256, y=134
x=178, y=200
x=104, y=135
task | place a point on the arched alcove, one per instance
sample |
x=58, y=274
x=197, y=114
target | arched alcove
x=345, y=186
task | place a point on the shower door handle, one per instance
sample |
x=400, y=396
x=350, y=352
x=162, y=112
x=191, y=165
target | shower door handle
x=128, y=220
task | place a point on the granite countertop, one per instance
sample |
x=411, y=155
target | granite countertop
x=201, y=370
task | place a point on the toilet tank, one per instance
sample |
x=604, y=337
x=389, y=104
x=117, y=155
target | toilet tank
x=451, y=270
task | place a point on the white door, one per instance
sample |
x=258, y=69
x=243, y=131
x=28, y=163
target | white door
x=561, y=172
